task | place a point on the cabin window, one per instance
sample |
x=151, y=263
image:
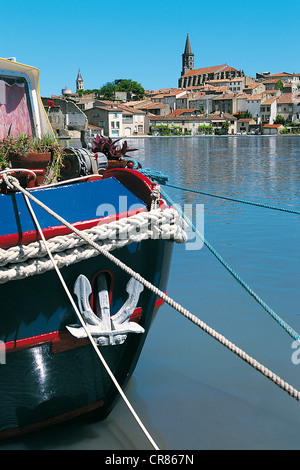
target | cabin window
x=15, y=109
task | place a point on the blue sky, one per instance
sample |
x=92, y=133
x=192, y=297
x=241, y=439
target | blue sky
x=144, y=40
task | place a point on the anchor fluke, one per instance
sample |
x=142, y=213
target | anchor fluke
x=106, y=329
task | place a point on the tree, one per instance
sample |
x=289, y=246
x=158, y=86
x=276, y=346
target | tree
x=280, y=120
x=107, y=91
x=130, y=86
x=87, y=92
x=279, y=85
x=243, y=115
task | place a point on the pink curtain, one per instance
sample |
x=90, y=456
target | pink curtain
x=14, y=113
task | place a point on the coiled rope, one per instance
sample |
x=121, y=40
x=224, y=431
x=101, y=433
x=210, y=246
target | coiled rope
x=294, y=393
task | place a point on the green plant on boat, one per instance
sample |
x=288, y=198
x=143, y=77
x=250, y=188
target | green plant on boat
x=21, y=146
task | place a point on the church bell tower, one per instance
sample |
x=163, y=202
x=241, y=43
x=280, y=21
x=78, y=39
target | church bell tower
x=79, y=82
x=187, y=57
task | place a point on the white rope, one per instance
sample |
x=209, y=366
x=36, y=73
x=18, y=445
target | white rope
x=86, y=329
x=22, y=261
x=13, y=183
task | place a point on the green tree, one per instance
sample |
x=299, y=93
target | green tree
x=107, y=91
x=87, y=92
x=280, y=120
x=207, y=130
x=130, y=86
x=279, y=85
x=225, y=126
x=244, y=115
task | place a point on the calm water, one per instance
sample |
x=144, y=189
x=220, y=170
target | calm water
x=189, y=390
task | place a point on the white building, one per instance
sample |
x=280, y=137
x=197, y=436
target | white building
x=242, y=102
x=117, y=120
x=254, y=104
x=268, y=110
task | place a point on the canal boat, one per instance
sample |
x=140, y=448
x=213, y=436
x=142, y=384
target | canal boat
x=62, y=298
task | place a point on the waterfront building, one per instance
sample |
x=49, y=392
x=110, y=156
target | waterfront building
x=244, y=125
x=272, y=129
x=189, y=125
x=117, y=120
x=92, y=132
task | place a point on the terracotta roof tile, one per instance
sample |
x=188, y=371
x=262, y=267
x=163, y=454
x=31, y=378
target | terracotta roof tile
x=269, y=101
x=255, y=97
x=177, y=112
x=157, y=105
x=281, y=74
x=286, y=98
x=225, y=96
x=205, y=70
x=251, y=85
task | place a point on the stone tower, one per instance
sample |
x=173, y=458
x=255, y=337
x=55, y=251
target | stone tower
x=79, y=82
x=187, y=57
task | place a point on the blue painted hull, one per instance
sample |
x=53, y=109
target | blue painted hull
x=49, y=375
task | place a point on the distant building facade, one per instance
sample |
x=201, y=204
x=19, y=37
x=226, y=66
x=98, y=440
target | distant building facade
x=66, y=119
x=196, y=77
x=117, y=120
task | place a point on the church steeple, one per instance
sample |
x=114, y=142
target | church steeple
x=187, y=57
x=79, y=81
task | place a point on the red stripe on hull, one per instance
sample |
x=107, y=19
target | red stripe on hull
x=61, y=341
x=13, y=239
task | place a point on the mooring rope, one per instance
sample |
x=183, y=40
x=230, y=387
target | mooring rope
x=243, y=201
x=14, y=184
x=162, y=178
x=97, y=350
x=263, y=304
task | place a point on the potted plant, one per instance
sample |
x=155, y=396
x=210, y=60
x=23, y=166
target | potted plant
x=115, y=154
x=38, y=154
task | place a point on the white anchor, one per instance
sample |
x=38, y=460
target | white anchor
x=106, y=329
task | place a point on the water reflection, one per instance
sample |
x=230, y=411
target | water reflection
x=257, y=167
